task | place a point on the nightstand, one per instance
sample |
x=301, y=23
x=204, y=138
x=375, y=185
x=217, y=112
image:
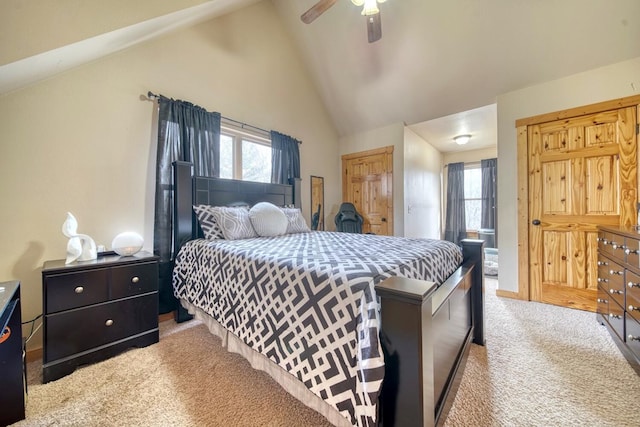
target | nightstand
x=96, y=309
x=12, y=392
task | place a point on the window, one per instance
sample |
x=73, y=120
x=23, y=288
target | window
x=473, y=196
x=244, y=156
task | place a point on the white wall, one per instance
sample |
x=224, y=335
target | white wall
x=378, y=138
x=601, y=84
x=84, y=141
x=422, y=187
x=470, y=156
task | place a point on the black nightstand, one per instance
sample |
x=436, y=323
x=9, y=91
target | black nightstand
x=94, y=310
x=12, y=392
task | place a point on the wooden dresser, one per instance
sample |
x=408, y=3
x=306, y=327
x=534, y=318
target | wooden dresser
x=96, y=309
x=618, y=304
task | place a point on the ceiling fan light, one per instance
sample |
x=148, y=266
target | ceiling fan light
x=370, y=8
x=461, y=139
x=357, y=2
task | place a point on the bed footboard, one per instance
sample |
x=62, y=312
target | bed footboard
x=426, y=331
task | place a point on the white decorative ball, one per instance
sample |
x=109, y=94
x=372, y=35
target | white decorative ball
x=127, y=243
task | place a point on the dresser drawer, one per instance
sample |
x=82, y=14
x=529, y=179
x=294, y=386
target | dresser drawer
x=612, y=244
x=632, y=250
x=72, y=290
x=134, y=279
x=633, y=336
x=82, y=329
x=611, y=278
x=633, y=304
x=602, y=302
x=615, y=317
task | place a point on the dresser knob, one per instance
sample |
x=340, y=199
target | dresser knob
x=614, y=291
x=630, y=251
x=601, y=280
x=109, y=322
x=135, y=279
x=602, y=300
x=603, y=263
x=632, y=307
x=633, y=285
x=632, y=338
x=614, y=316
x=613, y=244
x=614, y=272
x=79, y=290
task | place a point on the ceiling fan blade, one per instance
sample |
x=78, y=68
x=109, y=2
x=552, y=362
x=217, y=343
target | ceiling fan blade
x=374, y=27
x=316, y=10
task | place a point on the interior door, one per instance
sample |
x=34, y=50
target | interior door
x=582, y=173
x=367, y=183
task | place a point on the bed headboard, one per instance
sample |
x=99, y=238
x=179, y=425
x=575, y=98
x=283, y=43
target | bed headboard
x=189, y=190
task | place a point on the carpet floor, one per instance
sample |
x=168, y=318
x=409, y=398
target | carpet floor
x=542, y=366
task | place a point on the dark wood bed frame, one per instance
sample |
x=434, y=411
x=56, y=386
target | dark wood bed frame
x=426, y=330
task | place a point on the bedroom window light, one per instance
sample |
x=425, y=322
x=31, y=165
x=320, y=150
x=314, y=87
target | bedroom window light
x=473, y=196
x=244, y=156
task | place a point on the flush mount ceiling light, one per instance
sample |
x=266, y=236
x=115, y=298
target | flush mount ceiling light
x=461, y=139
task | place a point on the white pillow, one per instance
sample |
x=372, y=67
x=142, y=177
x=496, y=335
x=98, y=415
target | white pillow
x=297, y=224
x=268, y=219
x=234, y=222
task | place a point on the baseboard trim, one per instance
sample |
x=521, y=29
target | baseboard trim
x=509, y=294
x=36, y=353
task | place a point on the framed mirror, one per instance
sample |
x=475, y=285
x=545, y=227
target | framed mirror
x=317, y=203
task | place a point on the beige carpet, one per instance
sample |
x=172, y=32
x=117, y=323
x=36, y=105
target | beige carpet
x=542, y=366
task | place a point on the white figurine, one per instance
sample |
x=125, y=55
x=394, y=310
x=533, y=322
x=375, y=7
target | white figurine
x=80, y=246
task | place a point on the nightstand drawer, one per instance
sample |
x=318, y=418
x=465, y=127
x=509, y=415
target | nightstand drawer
x=134, y=279
x=82, y=329
x=66, y=291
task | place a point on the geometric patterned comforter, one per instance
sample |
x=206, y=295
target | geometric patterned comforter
x=307, y=302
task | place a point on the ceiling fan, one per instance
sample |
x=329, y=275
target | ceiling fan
x=370, y=11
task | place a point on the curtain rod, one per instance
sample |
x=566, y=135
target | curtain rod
x=237, y=123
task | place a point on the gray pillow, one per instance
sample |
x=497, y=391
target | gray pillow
x=234, y=222
x=207, y=222
x=296, y=222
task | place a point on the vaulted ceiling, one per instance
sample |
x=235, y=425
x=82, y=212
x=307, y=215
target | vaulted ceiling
x=438, y=68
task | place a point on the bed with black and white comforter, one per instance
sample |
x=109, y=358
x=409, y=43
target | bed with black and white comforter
x=307, y=302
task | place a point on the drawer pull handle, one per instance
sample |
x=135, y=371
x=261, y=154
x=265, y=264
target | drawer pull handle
x=630, y=251
x=135, y=279
x=614, y=291
x=603, y=263
x=632, y=338
x=633, y=307
x=621, y=247
x=614, y=272
x=604, y=241
x=614, y=316
x=602, y=300
x=633, y=285
x=601, y=280
x=613, y=244
x=109, y=322
x=79, y=290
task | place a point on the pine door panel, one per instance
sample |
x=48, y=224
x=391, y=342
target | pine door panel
x=582, y=174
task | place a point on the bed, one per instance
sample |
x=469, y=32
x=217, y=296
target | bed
x=344, y=322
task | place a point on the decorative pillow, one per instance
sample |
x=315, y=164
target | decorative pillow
x=296, y=222
x=268, y=219
x=234, y=222
x=210, y=227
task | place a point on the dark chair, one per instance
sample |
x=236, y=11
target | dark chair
x=315, y=218
x=348, y=219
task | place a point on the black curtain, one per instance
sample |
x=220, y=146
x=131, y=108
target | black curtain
x=455, y=226
x=189, y=133
x=489, y=175
x=285, y=158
